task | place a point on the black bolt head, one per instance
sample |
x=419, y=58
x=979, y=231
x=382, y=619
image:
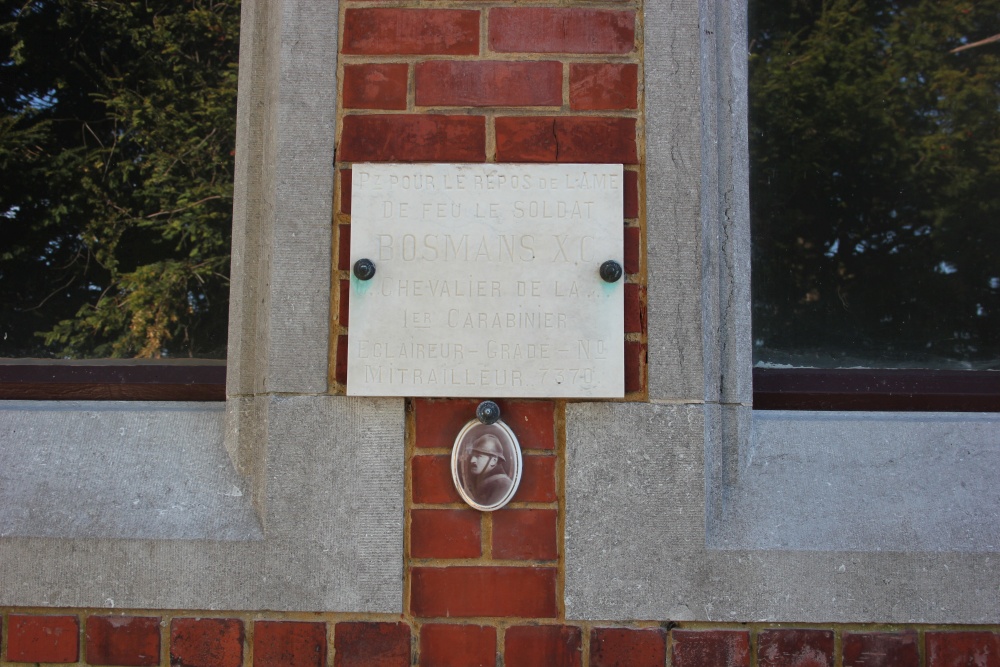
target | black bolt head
x=611, y=271
x=488, y=412
x=364, y=269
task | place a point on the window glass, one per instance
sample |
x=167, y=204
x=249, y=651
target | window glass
x=875, y=183
x=117, y=124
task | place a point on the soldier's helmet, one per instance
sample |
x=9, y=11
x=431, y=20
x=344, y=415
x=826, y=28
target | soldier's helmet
x=489, y=444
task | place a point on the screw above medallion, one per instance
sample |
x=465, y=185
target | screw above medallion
x=488, y=412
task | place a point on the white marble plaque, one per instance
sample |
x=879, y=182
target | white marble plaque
x=486, y=281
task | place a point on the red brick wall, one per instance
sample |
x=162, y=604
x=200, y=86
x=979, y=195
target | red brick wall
x=462, y=562
x=99, y=637
x=424, y=80
x=497, y=82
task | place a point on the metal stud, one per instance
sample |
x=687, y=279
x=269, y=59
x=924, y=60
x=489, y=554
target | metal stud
x=364, y=269
x=611, y=271
x=488, y=412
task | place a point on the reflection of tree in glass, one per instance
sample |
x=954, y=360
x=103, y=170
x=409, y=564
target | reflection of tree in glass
x=117, y=123
x=875, y=194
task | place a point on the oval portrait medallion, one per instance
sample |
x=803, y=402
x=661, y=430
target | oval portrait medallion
x=486, y=464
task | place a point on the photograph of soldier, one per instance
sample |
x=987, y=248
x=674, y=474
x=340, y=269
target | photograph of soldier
x=486, y=467
x=490, y=481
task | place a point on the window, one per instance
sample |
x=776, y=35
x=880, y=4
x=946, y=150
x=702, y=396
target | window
x=806, y=516
x=874, y=178
x=118, y=136
x=276, y=416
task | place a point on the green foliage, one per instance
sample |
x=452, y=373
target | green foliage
x=116, y=149
x=875, y=194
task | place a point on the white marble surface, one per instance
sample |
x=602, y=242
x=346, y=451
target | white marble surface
x=487, y=281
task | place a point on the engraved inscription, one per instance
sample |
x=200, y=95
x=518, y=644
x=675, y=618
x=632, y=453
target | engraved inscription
x=487, y=281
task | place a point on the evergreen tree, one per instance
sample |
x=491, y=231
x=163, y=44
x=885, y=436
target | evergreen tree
x=875, y=196
x=117, y=124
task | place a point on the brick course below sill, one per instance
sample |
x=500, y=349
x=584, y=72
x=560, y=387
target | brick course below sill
x=213, y=639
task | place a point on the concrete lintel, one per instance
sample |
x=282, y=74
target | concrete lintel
x=332, y=540
x=119, y=470
x=862, y=481
x=636, y=548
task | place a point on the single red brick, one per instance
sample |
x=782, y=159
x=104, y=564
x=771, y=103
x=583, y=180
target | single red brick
x=206, y=642
x=603, y=86
x=566, y=139
x=371, y=645
x=526, y=139
x=413, y=138
x=631, y=195
x=43, y=638
x=438, y=421
x=432, y=482
x=711, y=648
x=345, y=295
x=289, y=644
x=550, y=30
x=597, y=140
x=880, y=649
x=123, y=640
x=958, y=649
x=625, y=647
x=543, y=646
x=449, y=645
x=340, y=367
x=488, y=83
x=795, y=648
x=388, y=31
x=525, y=534
x=635, y=309
x=375, y=86
x=344, y=247
x=635, y=361
x=437, y=592
x=631, y=238
x=445, y=534
x=346, y=191
x=533, y=422
x=538, y=480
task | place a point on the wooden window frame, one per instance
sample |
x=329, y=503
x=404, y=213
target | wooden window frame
x=113, y=380
x=876, y=389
